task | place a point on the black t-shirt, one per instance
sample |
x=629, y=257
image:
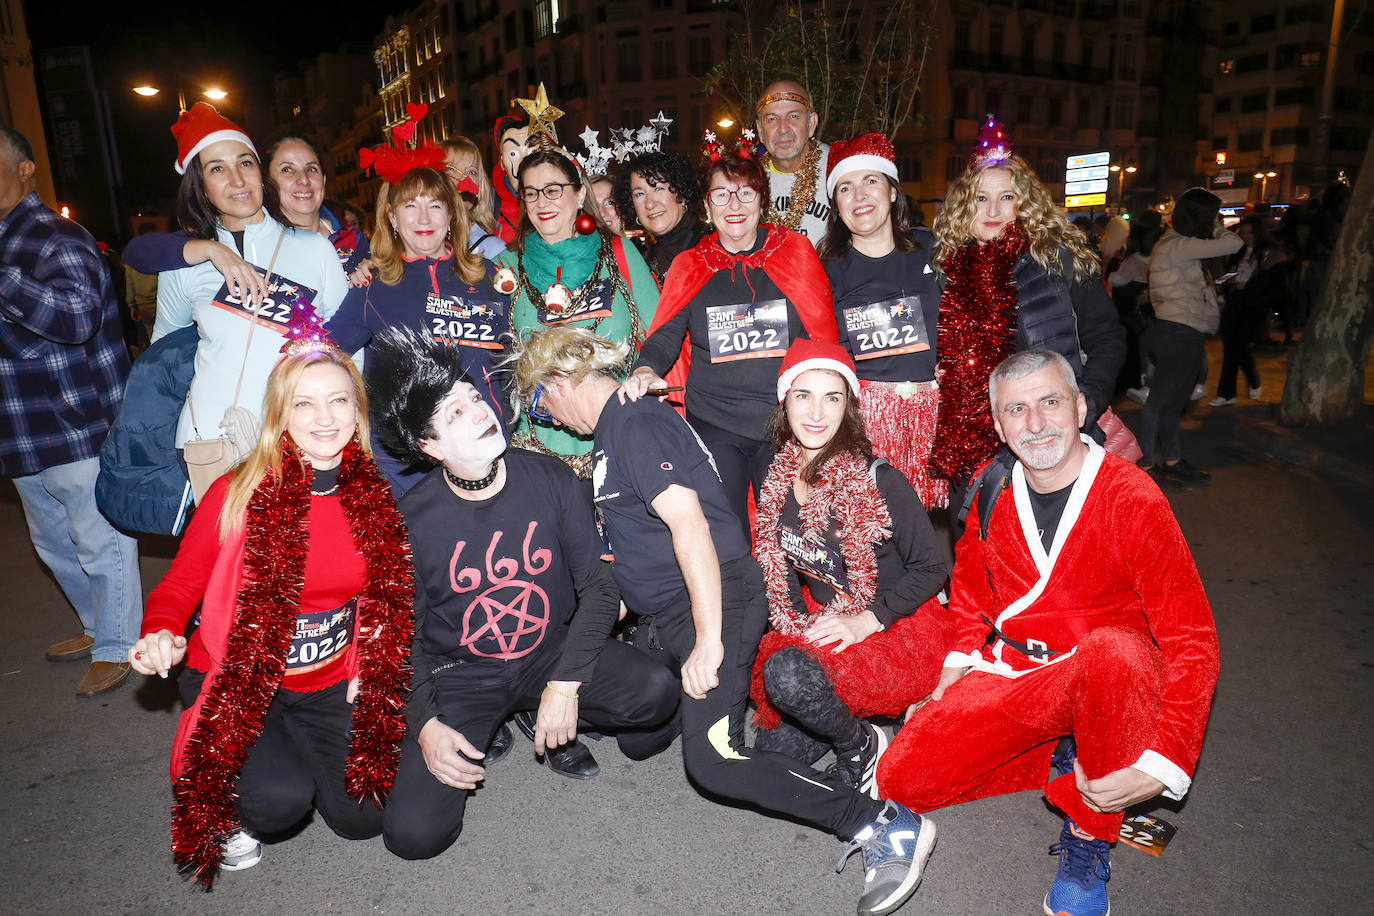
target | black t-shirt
x=737, y=315
x=911, y=567
x=1048, y=508
x=642, y=448
x=887, y=305
x=497, y=580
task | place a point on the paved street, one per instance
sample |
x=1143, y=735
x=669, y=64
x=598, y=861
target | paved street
x=1277, y=823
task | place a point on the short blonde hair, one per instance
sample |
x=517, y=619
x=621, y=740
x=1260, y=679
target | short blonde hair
x=562, y=351
x=1046, y=226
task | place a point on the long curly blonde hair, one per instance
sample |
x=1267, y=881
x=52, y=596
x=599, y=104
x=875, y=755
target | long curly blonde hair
x=1046, y=226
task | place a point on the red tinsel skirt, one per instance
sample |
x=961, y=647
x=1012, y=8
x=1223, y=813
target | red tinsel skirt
x=880, y=676
x=902, y=430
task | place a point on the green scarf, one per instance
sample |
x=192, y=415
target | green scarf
x=577, y=256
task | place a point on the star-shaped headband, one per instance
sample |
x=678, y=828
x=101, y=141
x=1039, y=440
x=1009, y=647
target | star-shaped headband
x=541, y=115
x=625, y=143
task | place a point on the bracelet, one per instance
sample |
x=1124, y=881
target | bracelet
x=570, y=696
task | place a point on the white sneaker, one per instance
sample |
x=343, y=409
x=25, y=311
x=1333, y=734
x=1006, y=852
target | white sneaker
x=241, y=850
x=1139, y=395
x=1199, y=392
x=1256, y=392
x=1221, y=402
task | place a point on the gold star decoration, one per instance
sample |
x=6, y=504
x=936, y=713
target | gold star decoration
x=541, y=114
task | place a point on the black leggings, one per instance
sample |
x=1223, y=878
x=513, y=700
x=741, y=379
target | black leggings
x=815, y=719
x=298, y=763
x=713, y=748
x=741, y=461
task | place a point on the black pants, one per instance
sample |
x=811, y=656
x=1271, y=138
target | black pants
x=713, y=748
x=627, y=694
x=1240, y=323
x=298, y=763
x=742, y=463
x=1178, y=351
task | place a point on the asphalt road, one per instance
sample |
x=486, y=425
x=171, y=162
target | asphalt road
x=1277, y=821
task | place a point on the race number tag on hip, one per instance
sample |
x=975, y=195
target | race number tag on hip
x=748, y=330
x=275, y=310
x=321, y=638
x=597, y=303
x=471, y=324
x=887, y=328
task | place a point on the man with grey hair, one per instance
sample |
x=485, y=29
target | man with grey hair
x=1084, y=645
x=62, y=371
x=796, y=161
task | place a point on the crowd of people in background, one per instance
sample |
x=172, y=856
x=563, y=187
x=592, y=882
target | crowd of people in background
x=724, y=421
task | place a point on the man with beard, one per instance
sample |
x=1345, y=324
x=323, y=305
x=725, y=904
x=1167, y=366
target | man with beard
x=1083, y=640
x=796, y=160
x=513, y=604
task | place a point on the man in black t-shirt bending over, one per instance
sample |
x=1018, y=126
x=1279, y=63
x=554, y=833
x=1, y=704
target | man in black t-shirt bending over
x=681, y=559
x=513, y=604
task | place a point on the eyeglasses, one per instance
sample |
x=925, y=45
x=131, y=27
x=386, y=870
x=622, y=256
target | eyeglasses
x=538, y=412
x=550, y=191
x=720, y=197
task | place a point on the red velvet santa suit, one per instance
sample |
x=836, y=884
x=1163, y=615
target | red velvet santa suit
x=786, y=257
x=1126, y=652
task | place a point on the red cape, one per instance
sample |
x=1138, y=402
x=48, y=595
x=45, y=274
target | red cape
x=786, y=257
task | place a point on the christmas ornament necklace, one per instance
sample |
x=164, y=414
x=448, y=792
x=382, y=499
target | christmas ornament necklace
x=803, y=189
x=463, y=483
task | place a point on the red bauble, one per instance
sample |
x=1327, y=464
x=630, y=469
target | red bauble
x=585, y=224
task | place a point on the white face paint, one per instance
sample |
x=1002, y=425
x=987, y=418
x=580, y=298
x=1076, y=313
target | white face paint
x=467, y=433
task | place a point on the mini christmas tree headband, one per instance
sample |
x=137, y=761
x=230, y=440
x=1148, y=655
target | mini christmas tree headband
x=994, y=146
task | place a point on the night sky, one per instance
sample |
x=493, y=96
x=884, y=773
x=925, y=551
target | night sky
x=237, y=46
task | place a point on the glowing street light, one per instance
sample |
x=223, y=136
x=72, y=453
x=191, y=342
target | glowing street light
x=214, y=93
x=725, y=123
x=1264, y=174
x=1121, y=174
x=146, y=91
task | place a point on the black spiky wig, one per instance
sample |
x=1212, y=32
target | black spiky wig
x=408, y=374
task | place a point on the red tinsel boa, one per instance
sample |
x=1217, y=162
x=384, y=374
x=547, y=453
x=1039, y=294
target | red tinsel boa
x=846, y=493
x=240, y=691
x=977, y=330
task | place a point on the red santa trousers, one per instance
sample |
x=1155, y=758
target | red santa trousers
x=990, y=735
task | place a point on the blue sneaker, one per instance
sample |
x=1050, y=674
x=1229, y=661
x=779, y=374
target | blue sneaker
x=1085, y=864
x=895, y=849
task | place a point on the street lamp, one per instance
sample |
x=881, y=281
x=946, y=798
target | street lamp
x=213, y=93
x=725, y=123
x=1264, y=173
x=1121, y=173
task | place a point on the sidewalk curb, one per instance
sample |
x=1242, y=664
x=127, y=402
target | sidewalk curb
x=1287, y=444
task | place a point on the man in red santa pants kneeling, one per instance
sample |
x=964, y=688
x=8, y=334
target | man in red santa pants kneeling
x=1078, y=614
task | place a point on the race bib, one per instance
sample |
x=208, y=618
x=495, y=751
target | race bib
x=748, y=330
x=322, y=637
x=471, y=324
x=821, y=561
x=596, y=303
x=886, y=328
x=275, y=309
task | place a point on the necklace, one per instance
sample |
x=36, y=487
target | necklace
x=463, y=483
x=803, y=189
x=329, y=492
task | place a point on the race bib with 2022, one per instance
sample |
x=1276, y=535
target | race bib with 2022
x=886, y=328
x=274, y=311
x=469, y=323
x=749, y=330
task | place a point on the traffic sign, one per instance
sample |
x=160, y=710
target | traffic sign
x=1088, y=160
x=1074, y=188
x=1092, y=174
x=1085, y=200
x=1224, y=177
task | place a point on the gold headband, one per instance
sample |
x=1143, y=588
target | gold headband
x=786, y=95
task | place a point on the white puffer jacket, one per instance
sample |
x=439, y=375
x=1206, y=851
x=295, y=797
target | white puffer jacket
x=1179, y=290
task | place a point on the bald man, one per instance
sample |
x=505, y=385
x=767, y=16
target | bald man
x=796, y=160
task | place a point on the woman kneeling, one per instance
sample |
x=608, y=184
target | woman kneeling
x=851, y=567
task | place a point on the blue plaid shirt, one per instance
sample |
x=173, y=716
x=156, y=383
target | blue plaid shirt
x=62, y=356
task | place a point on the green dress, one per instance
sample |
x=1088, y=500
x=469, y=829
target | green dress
x=602, y=304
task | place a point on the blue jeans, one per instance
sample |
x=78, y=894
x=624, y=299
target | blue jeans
x=96, y=565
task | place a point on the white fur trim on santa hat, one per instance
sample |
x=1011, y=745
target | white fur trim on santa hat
x=855, y=163
x=213, y=137
x=790, y=374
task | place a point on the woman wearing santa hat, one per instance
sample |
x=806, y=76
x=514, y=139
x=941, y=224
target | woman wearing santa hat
x=730, y=308
x=223, y=197
x=886, y=304
x=851, y=568
x=1016, y=276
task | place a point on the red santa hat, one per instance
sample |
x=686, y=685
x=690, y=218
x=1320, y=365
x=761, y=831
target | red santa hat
x=201, y=126
x=806, y=354
x=873, y=152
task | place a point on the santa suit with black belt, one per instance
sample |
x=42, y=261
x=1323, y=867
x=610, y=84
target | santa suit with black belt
x=1107, y=637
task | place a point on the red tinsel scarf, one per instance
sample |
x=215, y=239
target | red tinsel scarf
x=977, y=330
x=845, y=492
x=268, y=602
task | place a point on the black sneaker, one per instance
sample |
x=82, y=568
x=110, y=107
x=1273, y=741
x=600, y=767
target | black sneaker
x=1182, y=471
x=895, y=848
x=572, y=760
x=500, y=746
x=859, y=769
